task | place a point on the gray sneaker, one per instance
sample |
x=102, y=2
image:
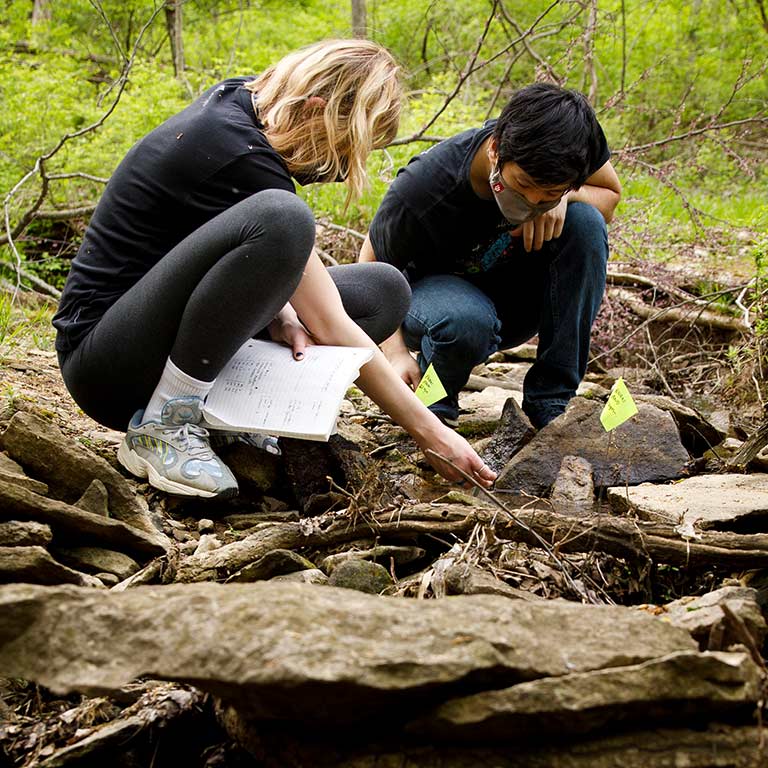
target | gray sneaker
x=174, y=454
x=222, y=437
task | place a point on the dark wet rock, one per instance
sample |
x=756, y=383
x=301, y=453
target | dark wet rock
x=309, y=465
x=512, y=433
x=646, y=448
x=255, y=470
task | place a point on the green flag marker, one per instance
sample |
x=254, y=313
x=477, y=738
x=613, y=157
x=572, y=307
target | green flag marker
x=430, y=388
x=619, y=408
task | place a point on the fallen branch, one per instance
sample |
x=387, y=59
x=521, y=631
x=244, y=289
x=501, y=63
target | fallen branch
x=756, y=442
x=634, y=540
x=677, y=314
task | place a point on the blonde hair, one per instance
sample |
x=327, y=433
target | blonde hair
x=358, y=83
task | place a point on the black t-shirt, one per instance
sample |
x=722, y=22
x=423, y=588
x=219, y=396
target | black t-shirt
x=431, y=221
x=195, y=165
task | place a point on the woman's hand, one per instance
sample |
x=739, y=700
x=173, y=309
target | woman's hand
x=287, y=329
x=444, y=442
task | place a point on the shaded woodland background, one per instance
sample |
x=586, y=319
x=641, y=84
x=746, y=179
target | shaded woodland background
x=680, y=88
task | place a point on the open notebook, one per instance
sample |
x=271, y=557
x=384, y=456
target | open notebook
x=263, y=389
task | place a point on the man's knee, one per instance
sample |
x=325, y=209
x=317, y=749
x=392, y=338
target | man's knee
x=469, y=334
x=585, y=223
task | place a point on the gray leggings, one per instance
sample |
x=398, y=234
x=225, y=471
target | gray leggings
x=217, y=288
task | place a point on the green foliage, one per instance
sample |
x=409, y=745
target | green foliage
x=660, y=70
x=23, y=326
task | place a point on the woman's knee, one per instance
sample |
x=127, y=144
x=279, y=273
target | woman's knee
x=279, y=220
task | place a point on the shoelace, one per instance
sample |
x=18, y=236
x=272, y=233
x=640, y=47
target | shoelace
x=191, y=437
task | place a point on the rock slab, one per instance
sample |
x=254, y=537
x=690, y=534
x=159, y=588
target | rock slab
x=275, y=650
x=705, y=501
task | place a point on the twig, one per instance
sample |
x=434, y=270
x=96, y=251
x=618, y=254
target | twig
x=516, y=520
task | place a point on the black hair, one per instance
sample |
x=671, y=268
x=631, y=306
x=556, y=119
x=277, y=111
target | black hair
x=551, y=133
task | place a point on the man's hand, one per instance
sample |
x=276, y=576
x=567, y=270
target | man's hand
x=287, y=329
x=401, y=360
x=547, y=226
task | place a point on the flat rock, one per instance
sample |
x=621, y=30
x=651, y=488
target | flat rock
x=463, y=579
x=279, y=651
x=278, y=562
x=96, y=559
x=716, y=745
x=69, y=467
x=75, y=523
x=669, y=689
x=513, y=431
x=399, y=555
x=704, y=617
x=646, y=448
x=34, y=565
x=15, y=533
x=722, y=502
x=19, y=478
x=483, y=409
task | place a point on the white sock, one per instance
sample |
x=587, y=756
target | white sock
x=174, y=383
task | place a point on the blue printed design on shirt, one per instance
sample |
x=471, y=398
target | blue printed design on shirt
x=495, y=252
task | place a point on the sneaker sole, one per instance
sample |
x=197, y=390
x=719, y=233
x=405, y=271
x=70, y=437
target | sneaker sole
x=142, y=468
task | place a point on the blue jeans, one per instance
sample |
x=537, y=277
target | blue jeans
x=456, y=323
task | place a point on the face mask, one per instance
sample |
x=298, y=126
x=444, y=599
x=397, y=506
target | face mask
x=515, y=208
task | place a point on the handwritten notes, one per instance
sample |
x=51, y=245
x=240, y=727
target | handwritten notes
x=619, y=408
x=263, y=389
x=430, y=388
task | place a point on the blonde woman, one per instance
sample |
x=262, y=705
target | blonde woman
x=199, y=243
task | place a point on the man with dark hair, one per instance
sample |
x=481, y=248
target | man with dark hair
x=501, y=231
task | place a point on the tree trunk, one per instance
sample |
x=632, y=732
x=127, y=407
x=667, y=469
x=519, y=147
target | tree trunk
x=359, y=19
x=173, y=22
x=41, y=11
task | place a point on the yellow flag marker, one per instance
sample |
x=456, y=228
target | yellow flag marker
x=430, y=388
x=619, y=408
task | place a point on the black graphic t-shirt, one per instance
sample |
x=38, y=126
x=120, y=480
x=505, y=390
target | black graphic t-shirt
x=431, y=221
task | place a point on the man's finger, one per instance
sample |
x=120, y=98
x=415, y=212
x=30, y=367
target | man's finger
x=528, y=230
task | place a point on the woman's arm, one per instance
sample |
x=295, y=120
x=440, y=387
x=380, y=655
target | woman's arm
x=319, y=306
